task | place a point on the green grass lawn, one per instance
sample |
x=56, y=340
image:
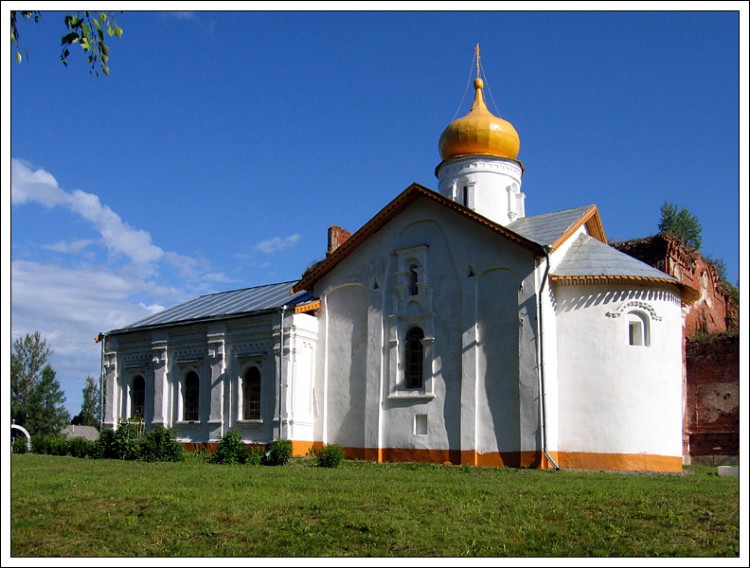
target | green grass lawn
x=64, y=506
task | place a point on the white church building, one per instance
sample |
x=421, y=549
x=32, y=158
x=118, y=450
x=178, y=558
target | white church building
x=451, y=327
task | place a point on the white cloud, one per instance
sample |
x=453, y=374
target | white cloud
x=153, y=308
x=184, y=15
x=36, y=186
x=207, y=25
x=71, y=303
x=118, y=236
x=69, y=247
x=276, y=244
x=39, y=186
x=69, y=306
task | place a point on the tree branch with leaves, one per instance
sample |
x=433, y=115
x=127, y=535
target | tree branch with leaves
x=85, y=29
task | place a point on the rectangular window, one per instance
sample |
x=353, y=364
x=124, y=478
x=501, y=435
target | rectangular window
x=636, y=333
x=420, y=425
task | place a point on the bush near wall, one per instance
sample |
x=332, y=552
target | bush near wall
x=231, y=449
x=279, y=452
x=330, y=455
x=129, y=442
x=19, y=445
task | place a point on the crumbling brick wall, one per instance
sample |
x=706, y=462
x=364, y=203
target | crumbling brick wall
x=711, y=419
x=713, y=311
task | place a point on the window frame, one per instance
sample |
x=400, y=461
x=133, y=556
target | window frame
x=638, y=320
x=188, y=392
x=141, y=394
x=414, y=358
x=247, y=392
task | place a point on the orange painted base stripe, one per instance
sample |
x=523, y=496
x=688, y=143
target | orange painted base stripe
x=530, y=459
x=620, y=462
x=302, y=448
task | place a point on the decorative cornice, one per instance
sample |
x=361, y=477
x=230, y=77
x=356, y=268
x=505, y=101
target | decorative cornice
x=308, y=307
x=637, y=304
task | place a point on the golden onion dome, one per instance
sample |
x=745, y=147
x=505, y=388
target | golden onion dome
x=479, y=132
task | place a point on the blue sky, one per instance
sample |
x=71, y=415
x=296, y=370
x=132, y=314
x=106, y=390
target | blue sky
x=224, y=144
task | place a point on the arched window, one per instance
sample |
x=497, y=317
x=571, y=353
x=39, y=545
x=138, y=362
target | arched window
x=413, y=280
x=638, y=329
x=191, y=397
x=138, y=397
x=251, y=394
x=414, y=358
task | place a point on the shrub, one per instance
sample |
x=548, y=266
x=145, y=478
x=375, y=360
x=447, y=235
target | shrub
x=127, y=442
x=20, y=445
x=121, y=444
x=279, y=452
x=330, y=455
x=50, y=445
x=231, y=449
x=81, y=448
x=39, y=444
x=105, y=447
x=255, y=455
x=160, y=444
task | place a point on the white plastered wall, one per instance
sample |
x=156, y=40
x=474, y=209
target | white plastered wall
x=614, y=397
x=464, y=407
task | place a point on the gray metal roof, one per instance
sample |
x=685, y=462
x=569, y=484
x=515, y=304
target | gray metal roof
x=77, y=431
x=222, y=304
x=546, y=229
x=590, y=257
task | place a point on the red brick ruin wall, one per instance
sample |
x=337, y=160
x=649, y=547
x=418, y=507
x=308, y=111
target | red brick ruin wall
x=712, y=411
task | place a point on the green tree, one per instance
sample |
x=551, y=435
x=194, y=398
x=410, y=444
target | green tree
x=46, y=408
x=89, y=415
x=682, y=224
x=85, y=29
x=29, y=357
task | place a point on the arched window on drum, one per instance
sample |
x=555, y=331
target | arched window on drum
x=639, y=330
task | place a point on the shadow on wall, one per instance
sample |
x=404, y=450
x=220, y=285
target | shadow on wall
x=612, y=296
x=498, y=327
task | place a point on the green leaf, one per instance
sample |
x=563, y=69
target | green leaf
x=102, y=17
x=70, y=38
x=96, y=23
x=105, y=69
x=118, y=31
x=110, y=31
x=18, y=56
